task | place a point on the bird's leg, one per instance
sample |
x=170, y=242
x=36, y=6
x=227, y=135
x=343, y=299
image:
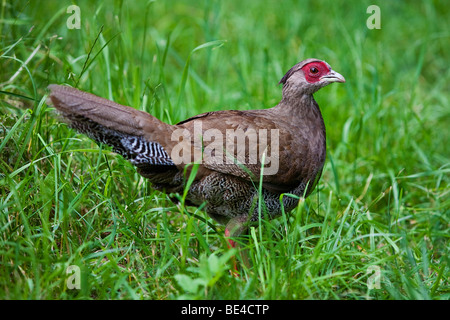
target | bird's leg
x=236, y=227
x=231, y=244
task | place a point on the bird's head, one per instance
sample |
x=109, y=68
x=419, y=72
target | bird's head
x=308, y=76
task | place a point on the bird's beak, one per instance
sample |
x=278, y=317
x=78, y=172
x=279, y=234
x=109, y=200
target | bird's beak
x=333, y=76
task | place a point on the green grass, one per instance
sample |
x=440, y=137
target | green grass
x=381, y=205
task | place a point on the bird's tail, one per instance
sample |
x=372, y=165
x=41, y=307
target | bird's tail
x=132, y=133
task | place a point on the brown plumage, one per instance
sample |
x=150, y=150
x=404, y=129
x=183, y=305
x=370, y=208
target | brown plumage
x=228, y=145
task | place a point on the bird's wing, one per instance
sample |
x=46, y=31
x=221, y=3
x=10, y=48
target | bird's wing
x=235, y=142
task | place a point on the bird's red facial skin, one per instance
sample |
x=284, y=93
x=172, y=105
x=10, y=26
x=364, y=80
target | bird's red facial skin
x=314, y=71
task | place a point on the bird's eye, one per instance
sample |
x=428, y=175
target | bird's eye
x=314, y=70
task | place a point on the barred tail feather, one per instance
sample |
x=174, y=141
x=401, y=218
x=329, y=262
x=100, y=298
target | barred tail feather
x=109, y=123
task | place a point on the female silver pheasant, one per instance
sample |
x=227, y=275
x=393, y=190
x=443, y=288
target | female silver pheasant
x=284, y=146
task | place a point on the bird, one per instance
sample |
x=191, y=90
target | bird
x=238, y=162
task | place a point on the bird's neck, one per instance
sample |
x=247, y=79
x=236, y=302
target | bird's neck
x=300, y=108
x=303, y=112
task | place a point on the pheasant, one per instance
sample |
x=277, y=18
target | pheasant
x=233, y=152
